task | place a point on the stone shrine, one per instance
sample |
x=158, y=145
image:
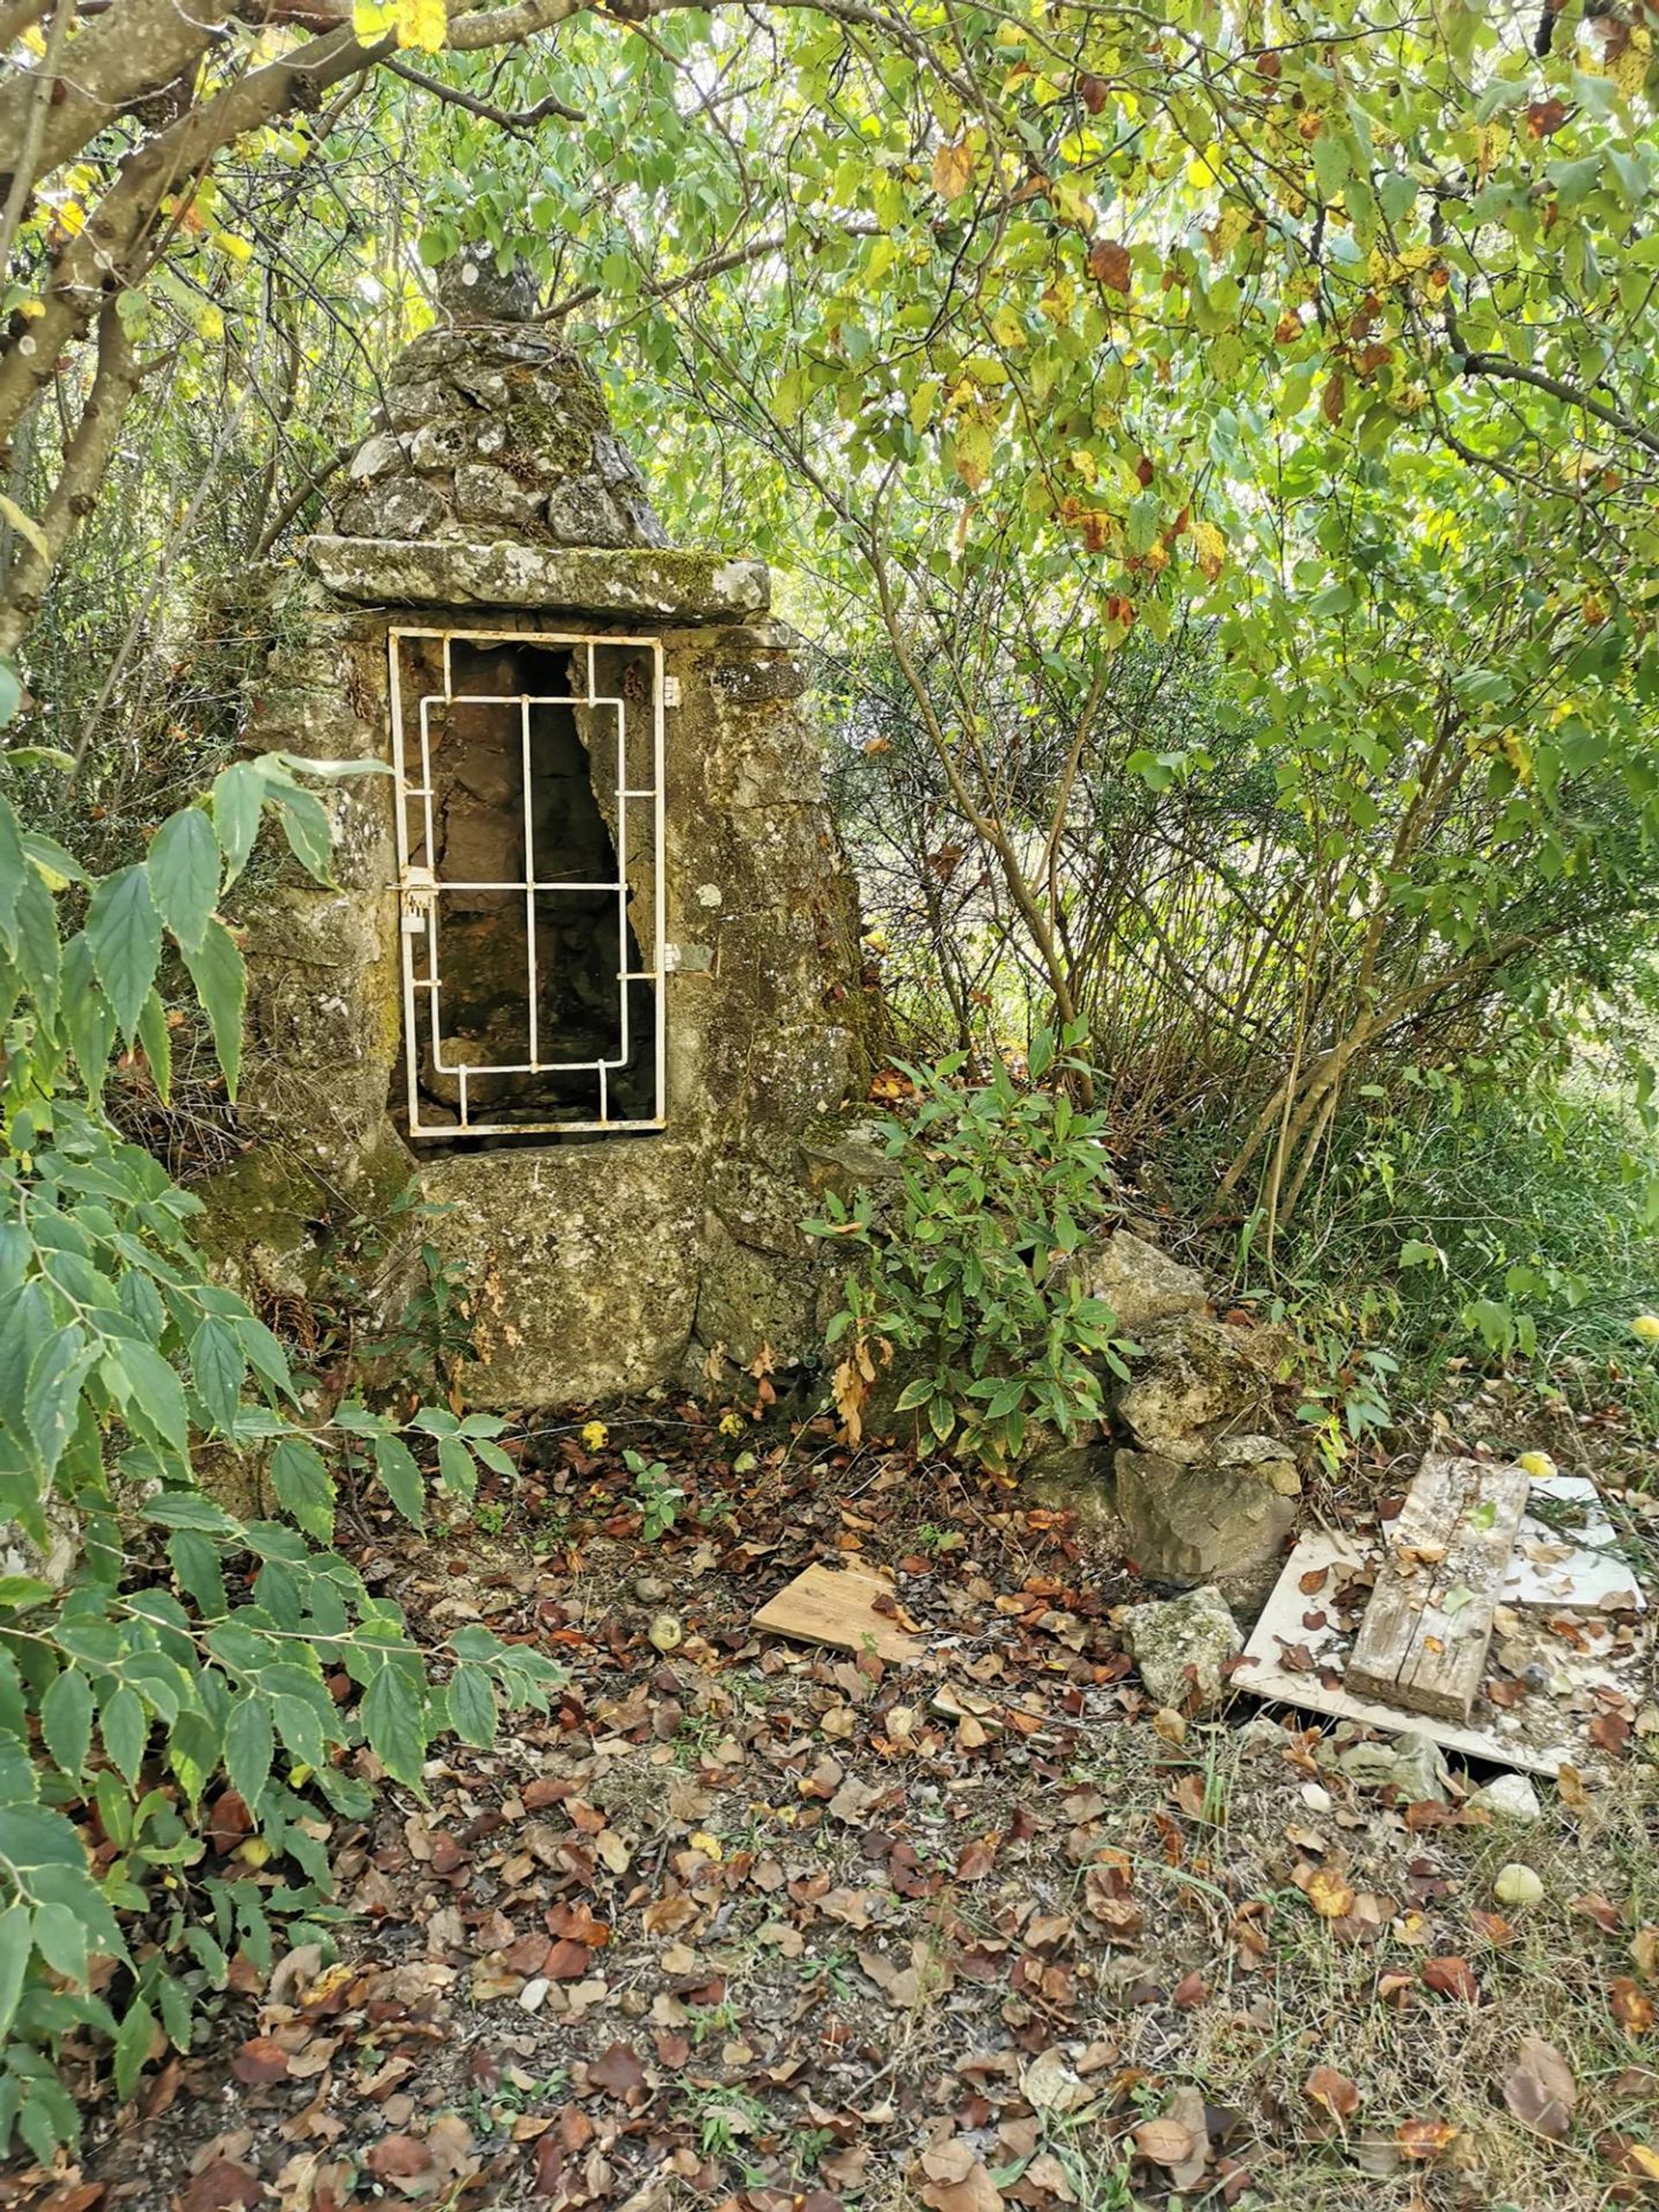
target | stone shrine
x=588, y=968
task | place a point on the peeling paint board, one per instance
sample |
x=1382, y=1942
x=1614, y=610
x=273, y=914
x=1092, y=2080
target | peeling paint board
x=1541, y=1738
x=1578, y=1565
x=1422, y=1643
x=839, y=1608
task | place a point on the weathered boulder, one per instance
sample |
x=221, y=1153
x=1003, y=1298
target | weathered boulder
x=1198, y=1378
x=1510, y=1796
x=1227, y=1514
x=1183, y=1648
x=1411, y=1765
x=1142, y=1284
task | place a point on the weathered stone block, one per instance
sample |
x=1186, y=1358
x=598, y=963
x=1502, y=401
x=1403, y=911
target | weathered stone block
x=666, y=585
x=1142, y=1284
x=1183, y=1649
x=1193, y=1522
x=1197, y=1376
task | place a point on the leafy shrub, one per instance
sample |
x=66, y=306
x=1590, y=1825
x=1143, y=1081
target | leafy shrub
x=186, y=1655
x=959, y=1275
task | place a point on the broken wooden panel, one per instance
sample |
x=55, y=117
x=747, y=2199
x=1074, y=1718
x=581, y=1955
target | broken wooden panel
x=852, y=1610
x=1422, y=1645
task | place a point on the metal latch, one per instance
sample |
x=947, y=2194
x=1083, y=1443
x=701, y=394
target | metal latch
x=419, y=888
x=670, y=691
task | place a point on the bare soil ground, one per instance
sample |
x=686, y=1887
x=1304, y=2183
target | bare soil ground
x=757, y=1928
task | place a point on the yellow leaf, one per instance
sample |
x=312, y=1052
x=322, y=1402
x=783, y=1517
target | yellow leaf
x=1210, y=548
x=1538, y=1465
x=1630, y=70
x=973, y=454
x=594, y=1436
x=1646, y=1327
x=953, y=169
x=371, y=19
x=423, y=24
x=1328, y=1894
x=238, y=249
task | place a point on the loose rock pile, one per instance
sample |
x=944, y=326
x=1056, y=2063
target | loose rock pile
x=1202, y=1489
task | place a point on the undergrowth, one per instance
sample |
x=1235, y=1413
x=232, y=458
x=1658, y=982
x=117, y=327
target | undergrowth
x=1495, y=1228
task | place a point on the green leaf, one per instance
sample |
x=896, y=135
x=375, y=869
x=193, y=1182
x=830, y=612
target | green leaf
x=250, y=1746
x=16, y=1943
x=221, y=980
x=394, y=1462
x=455, y=1468
x=158, y=1041
x=52, y=1392
x=393, y=1725
x=238, y=795
x=472, y=1706
x=67, y=1720
x=216, y=1366
x=124, y=1727
x=124, y=932
x=306, y=825
x=61, y=1939
x=132, y=2043
x=87, y=1015
x=304, y=1488
x=154, y=1386
x=183, y=865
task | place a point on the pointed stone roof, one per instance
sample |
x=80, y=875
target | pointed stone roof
x=492, y=431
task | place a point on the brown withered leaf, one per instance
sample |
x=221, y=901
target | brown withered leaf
x=1599, y=1909
x=221, y=2186
x=1539, y=2090
x=1631, y=2007
x=1426, y=2139
x=1338, y=2095
x=955, y=2180
x=978, y=1858
x=1108, y=262
x=1610, y=1732
x=619, y=2073
x=1451, y=1977
x=1492, y=1925
x=260, y=2062
x=399, y=2158
x=1166, y=2142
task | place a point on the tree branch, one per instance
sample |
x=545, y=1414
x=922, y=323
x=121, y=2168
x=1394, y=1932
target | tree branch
x=1498, y=364
x=85, y=460
x=507, y=119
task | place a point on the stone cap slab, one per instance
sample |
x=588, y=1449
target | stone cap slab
x=667, y=584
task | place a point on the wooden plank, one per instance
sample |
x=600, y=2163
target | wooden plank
x=842, y=1609
x=1422, y=1643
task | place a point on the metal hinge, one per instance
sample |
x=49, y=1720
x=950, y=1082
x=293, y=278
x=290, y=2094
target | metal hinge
x=670, y=691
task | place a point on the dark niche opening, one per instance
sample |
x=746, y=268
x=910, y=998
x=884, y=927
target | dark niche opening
x=516, y=785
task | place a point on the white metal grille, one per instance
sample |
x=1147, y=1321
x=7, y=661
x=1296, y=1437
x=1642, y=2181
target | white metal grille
x=604, y=688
